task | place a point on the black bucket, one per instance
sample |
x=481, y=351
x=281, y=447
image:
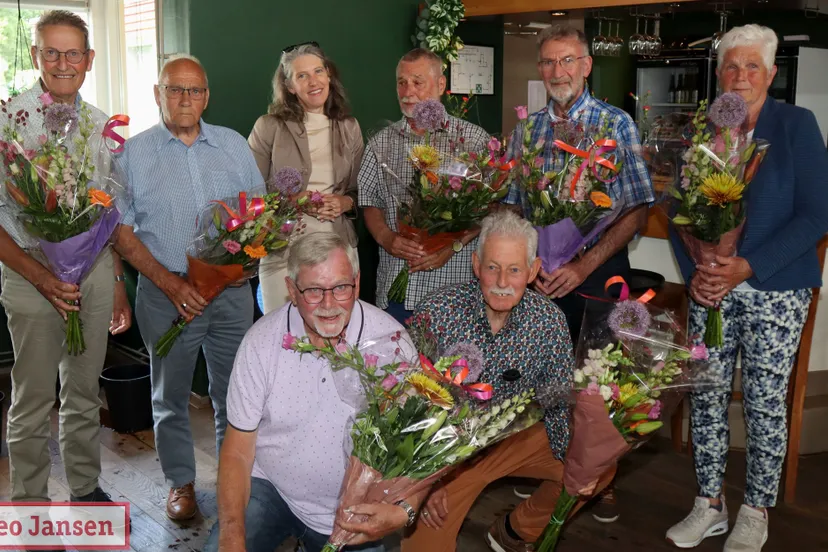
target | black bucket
x=129, y=396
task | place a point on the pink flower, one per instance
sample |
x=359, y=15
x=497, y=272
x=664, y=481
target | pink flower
x=655, y=411
x=231, y=246
x=592, y=389
x=494, y=145
x=527, y=170
x=616, y=391
x=403, y=367
x=42, y=139
x=316, y=197
x=341, y=347
x=288, y=341
x=522, y=112
x=685, y=183
x=543, y=183
x=46, y=99
x=287, y=227
x=371, y=360
x=539, y=161
x=456, y=183
x=658, y=367
x=699, y=352
x=389, y=382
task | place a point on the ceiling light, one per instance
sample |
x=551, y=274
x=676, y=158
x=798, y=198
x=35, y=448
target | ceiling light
x=557, y=13
x=537, y=25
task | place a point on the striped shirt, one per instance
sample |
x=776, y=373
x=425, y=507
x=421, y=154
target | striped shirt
x=171, y=183
x=30, y=101
x=384, y=178
x=633, y=185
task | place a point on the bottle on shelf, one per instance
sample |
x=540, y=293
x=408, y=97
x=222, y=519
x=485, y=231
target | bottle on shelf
x=680, y=90
x=694, y=90
x=671, y=92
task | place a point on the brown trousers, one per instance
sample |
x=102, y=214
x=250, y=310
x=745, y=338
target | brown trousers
x=526, y=454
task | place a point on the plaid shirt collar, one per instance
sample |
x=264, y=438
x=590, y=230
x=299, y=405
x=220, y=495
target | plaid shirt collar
x=583, y=103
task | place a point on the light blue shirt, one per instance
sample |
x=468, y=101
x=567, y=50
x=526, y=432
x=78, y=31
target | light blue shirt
x=171, y=183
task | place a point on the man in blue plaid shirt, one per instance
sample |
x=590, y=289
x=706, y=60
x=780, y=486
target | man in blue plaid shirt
x=564, y=63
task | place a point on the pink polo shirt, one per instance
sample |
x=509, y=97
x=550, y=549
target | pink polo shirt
x=300, y=412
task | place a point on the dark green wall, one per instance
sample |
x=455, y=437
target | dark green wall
x=240, y=49
x=487, y=111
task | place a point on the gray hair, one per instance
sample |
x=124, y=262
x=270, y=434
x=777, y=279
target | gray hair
x=750, y=35
x=315, y=248
x=507, y=223
x=421, y=53
x=178, y=57
x=66, y=18
x=562, y=32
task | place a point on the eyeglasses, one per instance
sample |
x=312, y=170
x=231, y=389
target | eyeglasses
x=72, y=56
x=566, y=63
x=177, y=91
x=315, y=295
x=297, y=46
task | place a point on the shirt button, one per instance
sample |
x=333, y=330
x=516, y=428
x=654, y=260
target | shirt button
x=323, y=380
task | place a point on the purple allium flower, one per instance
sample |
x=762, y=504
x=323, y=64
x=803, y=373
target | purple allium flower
x=629, y=318
x=429, y=115
x=287, y=180
x=61, y=118
x=473, y=357
x=728, y=111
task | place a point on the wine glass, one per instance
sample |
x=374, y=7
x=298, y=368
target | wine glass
x=599, y=42
x=655, y=46
x=618, y=41
x=634, y=44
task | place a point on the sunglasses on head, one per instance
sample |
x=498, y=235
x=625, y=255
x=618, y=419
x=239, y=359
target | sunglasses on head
x=296, y=46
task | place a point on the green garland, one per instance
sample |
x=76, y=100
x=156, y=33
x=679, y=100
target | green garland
x=436, y=26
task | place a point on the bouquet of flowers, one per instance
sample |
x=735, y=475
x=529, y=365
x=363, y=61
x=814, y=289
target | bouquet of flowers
x=633, y=365
x=707, y=206
x=447, y=196
x=459, y=106
x=63, y=191
x=232, y=236
x=414, y=422
x=570, y=206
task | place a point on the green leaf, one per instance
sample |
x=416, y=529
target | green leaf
x=681, y=220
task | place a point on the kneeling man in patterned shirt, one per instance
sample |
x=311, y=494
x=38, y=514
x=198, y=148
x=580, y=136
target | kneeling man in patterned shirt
x=525, y=343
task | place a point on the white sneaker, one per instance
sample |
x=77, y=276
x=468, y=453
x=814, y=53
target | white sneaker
x=750, y=532
x=704, y=521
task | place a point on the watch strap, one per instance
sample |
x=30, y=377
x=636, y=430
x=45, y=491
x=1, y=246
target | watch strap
x=412, y=514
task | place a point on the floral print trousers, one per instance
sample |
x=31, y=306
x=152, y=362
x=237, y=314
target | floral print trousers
x=765, y=327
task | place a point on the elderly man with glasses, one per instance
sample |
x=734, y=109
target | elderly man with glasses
x=282, y=465
x=174, y=169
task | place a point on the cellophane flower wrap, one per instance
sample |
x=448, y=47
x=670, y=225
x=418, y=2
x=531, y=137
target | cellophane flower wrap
x=414, y=420
x=232, y=236
x=63, y=191
x=707, y=203
x=449, y=194
x=571, y=204
x=633, y=366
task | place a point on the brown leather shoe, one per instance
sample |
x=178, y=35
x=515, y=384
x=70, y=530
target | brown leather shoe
x=181, y=503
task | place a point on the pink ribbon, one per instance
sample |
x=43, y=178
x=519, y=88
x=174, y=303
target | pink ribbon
x=109, y=132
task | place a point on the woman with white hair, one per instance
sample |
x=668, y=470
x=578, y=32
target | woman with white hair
x=764, y=292
x=309, y=128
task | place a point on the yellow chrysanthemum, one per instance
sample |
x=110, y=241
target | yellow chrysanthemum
x=431, y=390
x=626, y=391
x=425, y=158
x=721, y=189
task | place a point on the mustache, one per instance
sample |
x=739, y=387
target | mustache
x=329, y=313
x=502, y=291
x=562, y=80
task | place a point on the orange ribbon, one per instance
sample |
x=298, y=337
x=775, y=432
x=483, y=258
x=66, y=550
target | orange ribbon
x=646, y=297
x=482, y=391
x=591, y=159
x=246, y=212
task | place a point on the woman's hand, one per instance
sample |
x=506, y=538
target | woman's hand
x=333, y=206
x=718, y=281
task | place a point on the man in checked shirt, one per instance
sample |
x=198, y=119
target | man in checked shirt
x=563, y=64
x=383, y=179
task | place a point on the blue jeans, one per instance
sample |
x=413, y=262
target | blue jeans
x=268, y=521
x=399, y=312
x=218, y=332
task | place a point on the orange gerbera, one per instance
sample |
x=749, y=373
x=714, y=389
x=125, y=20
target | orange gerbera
x=600, y=199
x=99, y=197
x=255, y=252
x=432, y=177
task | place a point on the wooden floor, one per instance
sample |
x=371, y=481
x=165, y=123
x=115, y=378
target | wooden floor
x=655, y=489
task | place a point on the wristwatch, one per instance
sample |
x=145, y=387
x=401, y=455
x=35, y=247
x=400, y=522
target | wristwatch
x=120, y=278
x=412, y=514
x=457, y=246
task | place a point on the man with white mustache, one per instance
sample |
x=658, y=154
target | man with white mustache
x=385, y=175
x=563, y=64
x=281, y=465
x=524, y=343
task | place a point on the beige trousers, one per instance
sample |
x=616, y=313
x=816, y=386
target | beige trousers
x=38, y=335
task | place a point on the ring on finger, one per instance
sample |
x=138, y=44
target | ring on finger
x=184, y=306
x=425, y=514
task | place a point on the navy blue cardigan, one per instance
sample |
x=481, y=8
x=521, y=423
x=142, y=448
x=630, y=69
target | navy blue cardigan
x=787, y=203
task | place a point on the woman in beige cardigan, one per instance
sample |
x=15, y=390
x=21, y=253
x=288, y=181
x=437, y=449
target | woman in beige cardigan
x=309, y=127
